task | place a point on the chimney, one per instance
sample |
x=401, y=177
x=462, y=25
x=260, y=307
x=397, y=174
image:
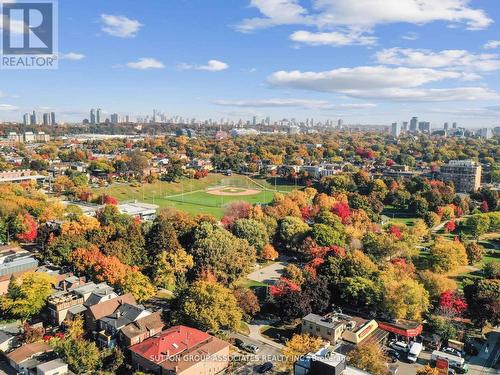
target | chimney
x=64, y=285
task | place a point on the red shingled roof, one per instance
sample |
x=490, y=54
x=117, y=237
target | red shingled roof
x=170, y=342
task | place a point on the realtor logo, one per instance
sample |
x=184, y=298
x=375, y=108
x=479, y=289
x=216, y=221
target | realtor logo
x=29, y=35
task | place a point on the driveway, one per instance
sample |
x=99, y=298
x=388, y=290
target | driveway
x=268, y=274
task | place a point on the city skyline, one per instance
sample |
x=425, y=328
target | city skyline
x=277, y=58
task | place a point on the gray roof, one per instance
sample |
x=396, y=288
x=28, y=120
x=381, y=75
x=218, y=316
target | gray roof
x=123, y=315
x=51, y=365
x=321, y=321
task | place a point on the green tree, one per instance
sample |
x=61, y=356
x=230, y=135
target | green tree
x=162, y=236
x=209, y=306
x=292, y=231
x=218, y=251
x=27, y=295
x=360, y=291
x=325, y=235
x=253, y=231
x=475, y=252
x=478, y=224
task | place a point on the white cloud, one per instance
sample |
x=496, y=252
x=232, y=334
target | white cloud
x=369, y=13
x=120, y=26
x=8, y=107
x=383, y=83
x=362, y=77
x=492, y=44
x=333, y=38
x=410, y=36
x=146, y=63
x=210, y=66
x=448, y=59
x=426, y=95
x=275, y=12
x=71, y=56
x=293, y=103
x=337, y=19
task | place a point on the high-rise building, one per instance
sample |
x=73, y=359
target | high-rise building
x=455, y=125
x=414, y=124
x=33, y=118
x=404, y=127
x=114, y=118
x=465, y=175
x=340, y=123
x=395, y=129
x=92, y=116
x=46, y=119
x=26, y=119
x=446, y=126
x=98, y=114
x=424, y=127
x=52, y=118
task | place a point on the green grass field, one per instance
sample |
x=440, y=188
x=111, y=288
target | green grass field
x=190, y=195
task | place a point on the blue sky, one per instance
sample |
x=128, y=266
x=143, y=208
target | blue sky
x=366, y=61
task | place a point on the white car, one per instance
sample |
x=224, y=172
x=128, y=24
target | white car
x=399, y=345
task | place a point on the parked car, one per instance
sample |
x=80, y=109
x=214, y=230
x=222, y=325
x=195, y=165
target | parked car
x=268, y=366
x=453, y=351
x=399, y=345
x=252, y=348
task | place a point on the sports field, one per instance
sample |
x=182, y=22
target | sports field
x=209, y=195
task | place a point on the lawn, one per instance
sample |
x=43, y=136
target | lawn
x=189, y=195
x=399, y=217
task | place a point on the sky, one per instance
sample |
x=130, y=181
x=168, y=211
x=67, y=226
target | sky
x=365, y=61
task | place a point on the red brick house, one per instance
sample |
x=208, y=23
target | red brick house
x=181, y=350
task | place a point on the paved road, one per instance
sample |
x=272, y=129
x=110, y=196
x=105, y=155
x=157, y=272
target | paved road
x=251, y=362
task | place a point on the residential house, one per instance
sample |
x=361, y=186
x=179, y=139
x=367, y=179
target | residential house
x=181, y=350
x=111, y=325
x=74, y=301
x=54, y=367
x=26, y=358
x=329, y=328
x=95, y=312
x=141, y=329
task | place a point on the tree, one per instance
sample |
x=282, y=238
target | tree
x=368, y=357
x=209, y=306
x=292, y=231
x=294, y=274
x=269, y=253
x=27, y=295
x=138, y=285
x=299, y=345
x=427, y=370
x=360, y=291
x=478, y=224
x=446, y=256
x=436, y=283
x=253, y=231
x=169, y=266
x=220, y=252
x=138, y=163
x=451, y=303
x=247, y=302
x=325, y=235
x=483, y=299
x=442, y=326
x=402, y=296
x=162, y=236
x=475, y=252
x=450, y=226
x=82, y=356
